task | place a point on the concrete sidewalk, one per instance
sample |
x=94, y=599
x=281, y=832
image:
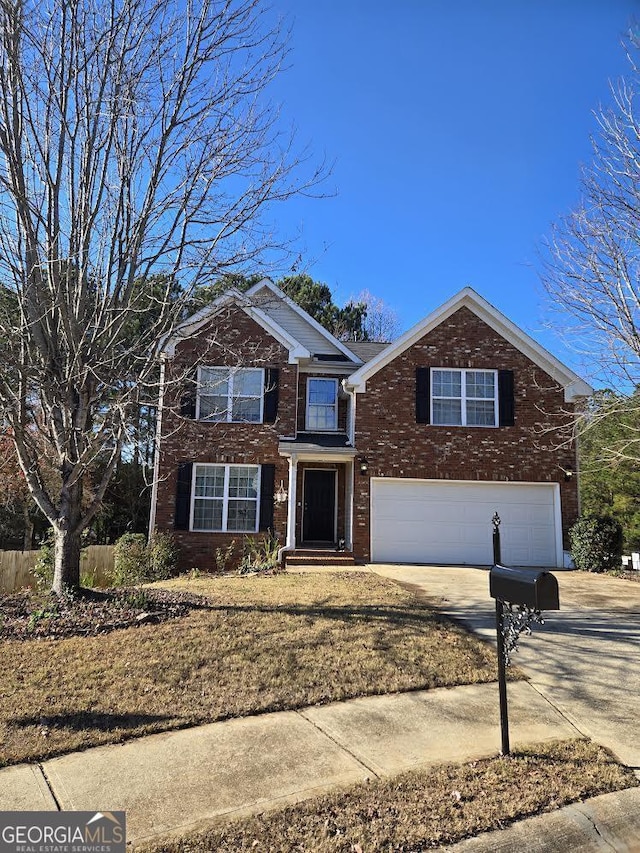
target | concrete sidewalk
x=177, y=780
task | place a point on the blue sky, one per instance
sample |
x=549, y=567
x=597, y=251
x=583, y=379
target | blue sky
x=458, y=129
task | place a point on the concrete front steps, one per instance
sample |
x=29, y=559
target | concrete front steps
x=317, y=557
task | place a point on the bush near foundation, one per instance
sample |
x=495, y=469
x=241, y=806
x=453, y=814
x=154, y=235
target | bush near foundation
x=138, y=561
x=596, y=543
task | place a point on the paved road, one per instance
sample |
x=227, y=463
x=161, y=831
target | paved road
x=585, y=659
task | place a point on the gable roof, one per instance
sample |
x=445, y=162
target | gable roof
x=193, y=324
x=277, y=305
x=366, y=350
x=574, y=386
x=278, y=315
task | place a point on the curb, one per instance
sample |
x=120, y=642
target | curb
x=609, y=822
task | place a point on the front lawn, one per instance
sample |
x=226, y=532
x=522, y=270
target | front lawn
x=254, y=644
x=421, y=809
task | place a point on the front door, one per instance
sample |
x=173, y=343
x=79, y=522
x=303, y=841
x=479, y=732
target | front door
x=319, y=518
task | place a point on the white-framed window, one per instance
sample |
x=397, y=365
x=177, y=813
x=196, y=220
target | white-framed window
x=464, y=397
x=225, y=498
x=230, y=394
x=322, y=404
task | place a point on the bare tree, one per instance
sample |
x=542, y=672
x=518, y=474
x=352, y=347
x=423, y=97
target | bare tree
x=593, y=261
x=137, y=156
x=381, y=322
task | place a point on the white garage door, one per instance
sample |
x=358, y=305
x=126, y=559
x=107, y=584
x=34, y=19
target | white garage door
x=449, y=522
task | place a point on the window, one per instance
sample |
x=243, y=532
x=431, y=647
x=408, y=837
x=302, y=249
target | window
x=322, y=404
x=225, y=498
x=230, y=394
x=464, y=397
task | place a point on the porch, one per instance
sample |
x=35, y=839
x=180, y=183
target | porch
x=319, y=495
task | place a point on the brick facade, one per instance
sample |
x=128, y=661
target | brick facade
x=396, y=446
x=387, y=434
x=233, y=339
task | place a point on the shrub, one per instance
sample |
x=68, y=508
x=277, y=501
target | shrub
x=225, y=556
x=138, y=561
x=162, y=554
x=44, y=565
x=596, y=543
x=260, y=555
x=130, y=559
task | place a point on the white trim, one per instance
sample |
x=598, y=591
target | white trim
x=351, y=412
x=230, y=395
x=574, y=387
x=333, y=428
x=297, y=351
x=302, y=313
x=190, y=326
x=156, y=454
x=291, y=510
x=464, y=399
x=311, y=453
x=349, y=475
x=225, y=497
x=331, y=368
x=554, y=487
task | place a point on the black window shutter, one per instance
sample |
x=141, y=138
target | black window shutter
x=423, y=403
x=506, y=401
x=271, y=376
x=188, y=399
x=267, y=484
x=183, y=496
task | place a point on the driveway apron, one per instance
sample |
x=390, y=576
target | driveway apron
x=585, y=659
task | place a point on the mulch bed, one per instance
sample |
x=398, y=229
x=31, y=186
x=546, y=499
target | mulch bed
x=28, y=615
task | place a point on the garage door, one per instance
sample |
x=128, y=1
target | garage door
x=449, y=522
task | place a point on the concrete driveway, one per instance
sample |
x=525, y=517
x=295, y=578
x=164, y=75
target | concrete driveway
x=585, y=659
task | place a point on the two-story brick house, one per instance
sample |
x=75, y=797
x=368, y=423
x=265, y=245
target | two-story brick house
x=395, y=452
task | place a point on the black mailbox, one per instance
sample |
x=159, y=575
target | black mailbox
x=537, y=590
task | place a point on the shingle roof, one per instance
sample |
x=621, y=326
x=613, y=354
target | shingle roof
x=366, y=350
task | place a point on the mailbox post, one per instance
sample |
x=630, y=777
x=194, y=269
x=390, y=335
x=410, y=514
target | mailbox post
x=502, y=680
x=520, y=595
x=529, y=592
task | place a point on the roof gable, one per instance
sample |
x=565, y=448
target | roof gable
x=278, y=315
x=574, y=386
x=276, y=304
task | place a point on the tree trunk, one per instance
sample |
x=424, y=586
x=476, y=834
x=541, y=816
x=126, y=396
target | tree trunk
x=66, y=539
x=66, y=572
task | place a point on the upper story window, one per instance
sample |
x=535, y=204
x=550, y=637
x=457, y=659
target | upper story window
x=230, y=394
x=322, y=404
x=464, y=397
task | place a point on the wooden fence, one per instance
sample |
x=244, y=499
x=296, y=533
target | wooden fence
x=16, y=567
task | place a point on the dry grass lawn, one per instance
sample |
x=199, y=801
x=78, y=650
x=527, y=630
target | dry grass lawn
x=421, y=809
x=262, y=644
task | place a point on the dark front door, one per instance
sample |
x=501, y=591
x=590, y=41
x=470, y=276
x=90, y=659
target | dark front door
x=318, y=521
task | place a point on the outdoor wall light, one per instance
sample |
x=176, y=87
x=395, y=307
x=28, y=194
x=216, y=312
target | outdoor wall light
x=364, y=465
x=281, y=494
x=568, y=474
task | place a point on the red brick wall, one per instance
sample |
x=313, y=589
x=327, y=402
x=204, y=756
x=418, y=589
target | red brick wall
x=246, y=344
x=396, y=446
x=386, y=430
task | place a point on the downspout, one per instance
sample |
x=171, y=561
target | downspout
x=351, y=436
x=156, y=459
x=351, y=425
x=290, y=544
